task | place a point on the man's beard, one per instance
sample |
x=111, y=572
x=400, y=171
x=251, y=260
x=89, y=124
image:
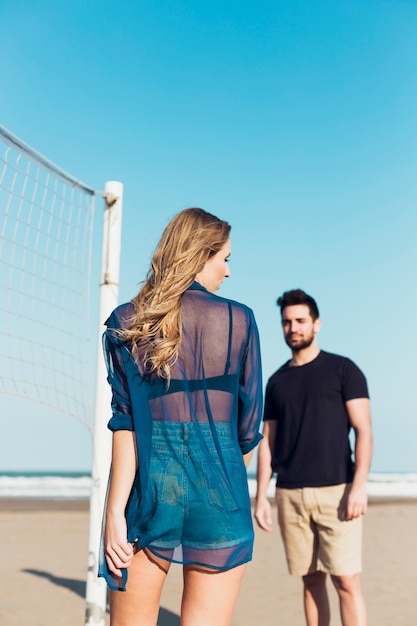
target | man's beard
x=301, y=345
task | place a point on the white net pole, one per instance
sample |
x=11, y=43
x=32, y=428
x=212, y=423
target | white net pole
x=96, y=592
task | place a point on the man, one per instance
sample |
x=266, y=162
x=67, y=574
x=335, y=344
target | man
x=311, y=403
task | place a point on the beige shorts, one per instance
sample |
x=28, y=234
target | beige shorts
x=315, y=535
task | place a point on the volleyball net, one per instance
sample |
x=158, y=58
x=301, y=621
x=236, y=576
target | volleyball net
x=49, y=351
x=47, y=220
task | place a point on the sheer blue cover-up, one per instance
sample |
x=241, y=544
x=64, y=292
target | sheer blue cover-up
x=189, y=502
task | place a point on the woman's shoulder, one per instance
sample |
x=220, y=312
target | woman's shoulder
x=242, y=314
x=207, y=298
x=120, y=317
x=237, y=307
x=236, y=304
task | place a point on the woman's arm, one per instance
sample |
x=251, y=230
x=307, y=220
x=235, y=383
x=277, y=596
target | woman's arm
x=250, y=392
x=118, y=551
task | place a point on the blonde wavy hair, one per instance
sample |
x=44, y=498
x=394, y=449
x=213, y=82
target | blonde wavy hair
x=154, y=332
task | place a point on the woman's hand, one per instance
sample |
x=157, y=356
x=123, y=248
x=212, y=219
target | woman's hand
x=118, y=551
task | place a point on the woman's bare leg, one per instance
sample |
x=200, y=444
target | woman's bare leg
x=209, y=597
x=139, y=604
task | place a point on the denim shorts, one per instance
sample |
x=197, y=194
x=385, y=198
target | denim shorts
x=198, y=496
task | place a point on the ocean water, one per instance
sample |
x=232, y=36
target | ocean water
x=77, y=485
x=389, y=485
x=65, y=485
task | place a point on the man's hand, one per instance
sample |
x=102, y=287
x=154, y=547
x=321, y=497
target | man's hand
x=356, y=503
x=263, y=514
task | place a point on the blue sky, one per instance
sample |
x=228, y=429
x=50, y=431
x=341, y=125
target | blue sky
x=294, y=120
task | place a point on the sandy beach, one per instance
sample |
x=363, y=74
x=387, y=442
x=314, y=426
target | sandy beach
x=44, y=552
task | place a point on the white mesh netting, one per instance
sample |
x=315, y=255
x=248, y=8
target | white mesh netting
x=46, y=230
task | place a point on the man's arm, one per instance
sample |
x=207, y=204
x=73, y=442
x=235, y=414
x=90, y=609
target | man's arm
x=263, y=476
x=359, y=413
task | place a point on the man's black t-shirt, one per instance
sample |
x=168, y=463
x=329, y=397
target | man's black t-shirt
x=312, y=447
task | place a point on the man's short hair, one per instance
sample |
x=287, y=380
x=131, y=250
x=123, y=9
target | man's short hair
x=298, y=296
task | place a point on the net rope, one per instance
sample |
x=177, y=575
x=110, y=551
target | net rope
x=46, y=236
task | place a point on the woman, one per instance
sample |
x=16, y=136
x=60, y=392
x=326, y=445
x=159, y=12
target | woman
x=185, y=371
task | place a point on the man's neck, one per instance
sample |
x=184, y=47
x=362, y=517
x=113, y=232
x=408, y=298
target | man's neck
x=302, y=357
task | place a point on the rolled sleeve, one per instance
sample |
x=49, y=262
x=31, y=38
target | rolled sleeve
x=250, y=392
